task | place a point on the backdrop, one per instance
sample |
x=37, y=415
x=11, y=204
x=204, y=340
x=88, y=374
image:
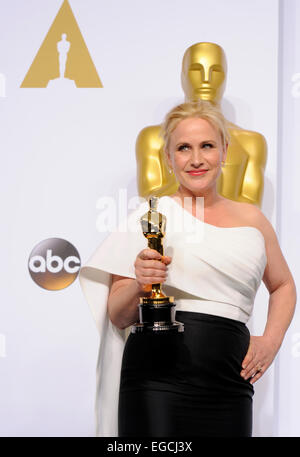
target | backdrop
x=68, y=142
x=287, y=373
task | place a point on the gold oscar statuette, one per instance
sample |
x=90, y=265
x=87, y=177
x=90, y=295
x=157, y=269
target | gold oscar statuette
x=157, y=311
x=203, y=77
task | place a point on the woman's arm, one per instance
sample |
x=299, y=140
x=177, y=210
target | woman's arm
x=123, y=301
x=283, y=297
x=281, y=310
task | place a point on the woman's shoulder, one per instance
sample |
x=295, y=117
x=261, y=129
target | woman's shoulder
x=252, y=216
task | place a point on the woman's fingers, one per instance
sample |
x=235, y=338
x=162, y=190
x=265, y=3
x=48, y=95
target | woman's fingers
x=248, y=357
x=153, y=264
x=153, y=272
x=151, y=260
x=148, y=254
x=256, y=377
x=251, y=369
x=258, y=358
x=248, y=363
x=166, y=259
x=151, y=267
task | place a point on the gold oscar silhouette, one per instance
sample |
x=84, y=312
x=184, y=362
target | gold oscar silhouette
x=242, y=179
x=157, y=312
x=63, y=59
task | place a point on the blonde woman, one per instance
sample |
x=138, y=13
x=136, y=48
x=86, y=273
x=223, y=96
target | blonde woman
x=200, y=382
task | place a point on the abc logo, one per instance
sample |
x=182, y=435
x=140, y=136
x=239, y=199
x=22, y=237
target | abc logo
x=54, y=264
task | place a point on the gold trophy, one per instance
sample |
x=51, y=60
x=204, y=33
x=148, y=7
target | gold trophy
x=157, y=312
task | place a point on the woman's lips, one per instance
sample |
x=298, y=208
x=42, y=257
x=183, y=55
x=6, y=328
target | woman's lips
x=197, y=173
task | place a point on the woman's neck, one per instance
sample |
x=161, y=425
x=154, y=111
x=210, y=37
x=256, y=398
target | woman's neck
x=211, y=197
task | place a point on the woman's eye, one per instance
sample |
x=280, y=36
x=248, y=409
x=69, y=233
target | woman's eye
x=183, y=147
x=207, y=146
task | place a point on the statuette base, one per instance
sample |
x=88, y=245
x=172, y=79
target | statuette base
x=157, y=315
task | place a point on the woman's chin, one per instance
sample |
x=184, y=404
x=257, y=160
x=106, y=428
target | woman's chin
x=193, y=190
x=195, y=184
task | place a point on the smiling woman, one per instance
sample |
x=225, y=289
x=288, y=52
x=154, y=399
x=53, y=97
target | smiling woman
x=200, y=382
x=197, y=382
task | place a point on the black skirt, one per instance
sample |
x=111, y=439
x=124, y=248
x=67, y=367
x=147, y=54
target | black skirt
x=187, y=384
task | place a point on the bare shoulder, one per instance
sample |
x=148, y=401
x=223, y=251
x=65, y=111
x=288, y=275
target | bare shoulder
x=277, y=271
x=250, y=215
x=256, y=217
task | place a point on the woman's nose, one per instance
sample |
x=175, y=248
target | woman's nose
x=196, y=158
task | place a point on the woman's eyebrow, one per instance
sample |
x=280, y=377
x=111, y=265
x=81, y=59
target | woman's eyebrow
x=187, y=142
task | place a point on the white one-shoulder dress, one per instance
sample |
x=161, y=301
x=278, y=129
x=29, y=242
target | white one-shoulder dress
x=215, y=271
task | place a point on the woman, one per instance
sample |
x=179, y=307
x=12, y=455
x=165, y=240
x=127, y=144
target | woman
x=200, y=383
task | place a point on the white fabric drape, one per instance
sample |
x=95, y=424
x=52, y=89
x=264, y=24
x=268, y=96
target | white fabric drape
x=214, y=270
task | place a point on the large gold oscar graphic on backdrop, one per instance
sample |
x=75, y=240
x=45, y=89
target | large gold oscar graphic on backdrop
x=63, y=59
x=203, y=77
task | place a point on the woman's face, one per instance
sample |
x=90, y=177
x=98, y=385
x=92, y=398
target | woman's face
x=196, y=145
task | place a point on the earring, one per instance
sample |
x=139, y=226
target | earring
x=222, y=163
x=170, y=170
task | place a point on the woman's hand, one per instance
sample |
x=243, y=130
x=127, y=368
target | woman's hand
x=261, y=353
x=150, y=268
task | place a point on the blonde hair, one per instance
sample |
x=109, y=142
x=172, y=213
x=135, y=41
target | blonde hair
x=199, y=109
